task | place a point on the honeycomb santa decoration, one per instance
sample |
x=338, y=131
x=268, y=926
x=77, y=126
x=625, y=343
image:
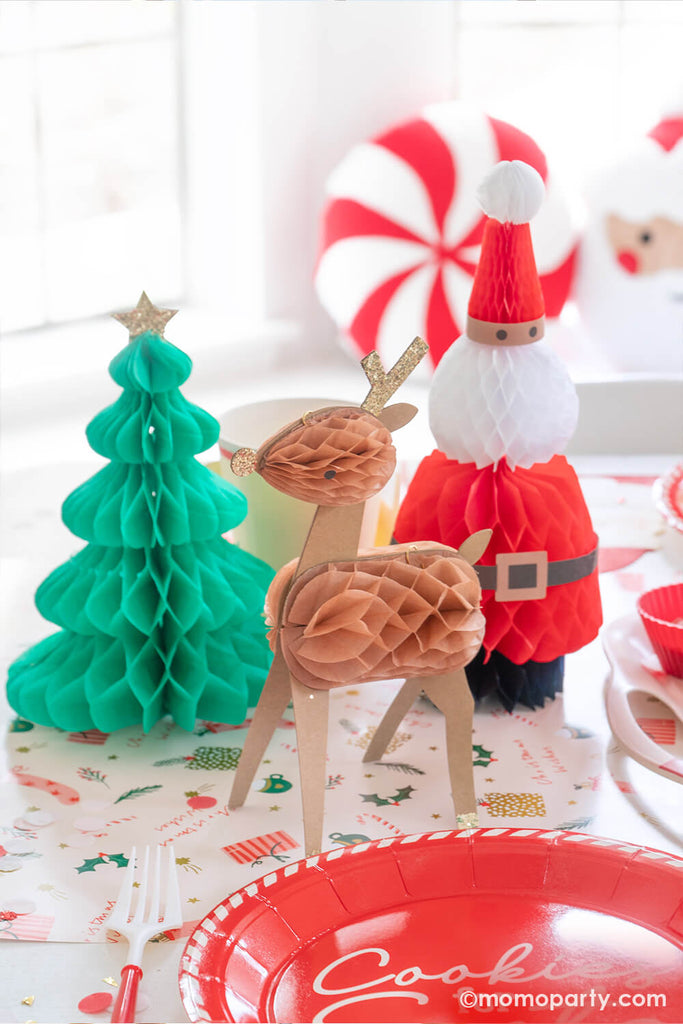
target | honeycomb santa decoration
x=502, y=407
x=401, y=229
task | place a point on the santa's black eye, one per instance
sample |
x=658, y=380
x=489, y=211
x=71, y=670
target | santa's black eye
x=330, y=474
x=645, y=237
x=533, y=331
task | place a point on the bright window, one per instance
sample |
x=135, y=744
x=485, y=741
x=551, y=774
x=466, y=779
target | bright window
x=184, y=147
x=90, y=196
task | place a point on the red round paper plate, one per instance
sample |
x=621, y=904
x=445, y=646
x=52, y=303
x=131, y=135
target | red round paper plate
x=533, y=925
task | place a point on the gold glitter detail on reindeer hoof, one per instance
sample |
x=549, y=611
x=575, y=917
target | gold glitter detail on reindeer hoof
x=469, y=820
x=243, y=462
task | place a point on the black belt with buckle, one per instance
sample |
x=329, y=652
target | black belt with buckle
x=526, y=575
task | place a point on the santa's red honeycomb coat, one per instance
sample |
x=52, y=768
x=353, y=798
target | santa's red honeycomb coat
x=537, y=509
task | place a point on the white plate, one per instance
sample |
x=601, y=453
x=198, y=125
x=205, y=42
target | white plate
x=629, y=650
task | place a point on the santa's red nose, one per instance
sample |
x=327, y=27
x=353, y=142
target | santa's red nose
x=629, y=261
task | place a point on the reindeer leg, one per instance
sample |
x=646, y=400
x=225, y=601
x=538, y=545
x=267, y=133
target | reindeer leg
x=311, y=710
x=452, y=696
x=393, y=716
x=274, y=699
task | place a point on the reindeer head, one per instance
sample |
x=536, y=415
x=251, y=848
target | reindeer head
x=340, y=455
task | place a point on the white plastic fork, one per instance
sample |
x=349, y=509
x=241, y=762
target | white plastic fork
x=141, y=923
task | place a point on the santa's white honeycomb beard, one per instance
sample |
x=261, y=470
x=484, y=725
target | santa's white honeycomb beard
x=490, y=402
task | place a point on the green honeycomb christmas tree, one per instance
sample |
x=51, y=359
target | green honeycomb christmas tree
x=158, y=613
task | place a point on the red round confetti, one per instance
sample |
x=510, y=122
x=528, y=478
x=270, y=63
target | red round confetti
x=96, y=1002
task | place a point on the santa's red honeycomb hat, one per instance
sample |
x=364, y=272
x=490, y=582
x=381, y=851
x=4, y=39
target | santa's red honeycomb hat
x=506, y=287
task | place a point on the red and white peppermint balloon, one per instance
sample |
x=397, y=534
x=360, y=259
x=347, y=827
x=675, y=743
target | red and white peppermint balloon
x=402, y=229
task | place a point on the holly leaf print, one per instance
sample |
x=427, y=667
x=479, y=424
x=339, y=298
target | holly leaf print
x=119, y=859
x=90, y=865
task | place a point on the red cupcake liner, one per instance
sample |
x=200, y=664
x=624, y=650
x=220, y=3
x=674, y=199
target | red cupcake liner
x=661, y=611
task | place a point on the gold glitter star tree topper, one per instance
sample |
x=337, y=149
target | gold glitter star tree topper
x=145, y=317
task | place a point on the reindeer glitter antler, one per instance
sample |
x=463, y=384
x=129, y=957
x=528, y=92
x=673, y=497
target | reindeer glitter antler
x=384, y=385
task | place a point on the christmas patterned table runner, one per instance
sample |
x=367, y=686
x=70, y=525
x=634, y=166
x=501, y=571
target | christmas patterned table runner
x=73, y=804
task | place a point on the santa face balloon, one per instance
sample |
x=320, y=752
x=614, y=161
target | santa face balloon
x=500, y=391
x=630, y=276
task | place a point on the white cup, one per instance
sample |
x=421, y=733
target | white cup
x=276, y=525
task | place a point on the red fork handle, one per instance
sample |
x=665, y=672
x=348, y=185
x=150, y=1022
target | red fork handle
x=124, y=1008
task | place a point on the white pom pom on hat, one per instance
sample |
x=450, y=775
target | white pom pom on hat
x=512, y=192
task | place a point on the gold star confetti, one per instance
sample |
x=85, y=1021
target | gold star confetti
x=274, y=808
x=489, y=780
x=27, y=1000
x=436, y=815
x=63, y=846
x=267, y=761
x=113, y=757
x=352, y=693
x=433, y=748
x=145, y=317
x=136, y=885
x=52, y=891
x=571, y=802
x=193, y=899
x=186, y=864
x=369, y=775
x=23, y=750
x=111, y=981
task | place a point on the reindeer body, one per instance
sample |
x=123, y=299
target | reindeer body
x=339, y=618
x=399, y=611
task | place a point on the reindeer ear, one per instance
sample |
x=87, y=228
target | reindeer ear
x=474, y=547
x=395, y=416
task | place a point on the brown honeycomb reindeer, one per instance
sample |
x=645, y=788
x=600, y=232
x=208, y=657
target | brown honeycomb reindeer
x=340, y=618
